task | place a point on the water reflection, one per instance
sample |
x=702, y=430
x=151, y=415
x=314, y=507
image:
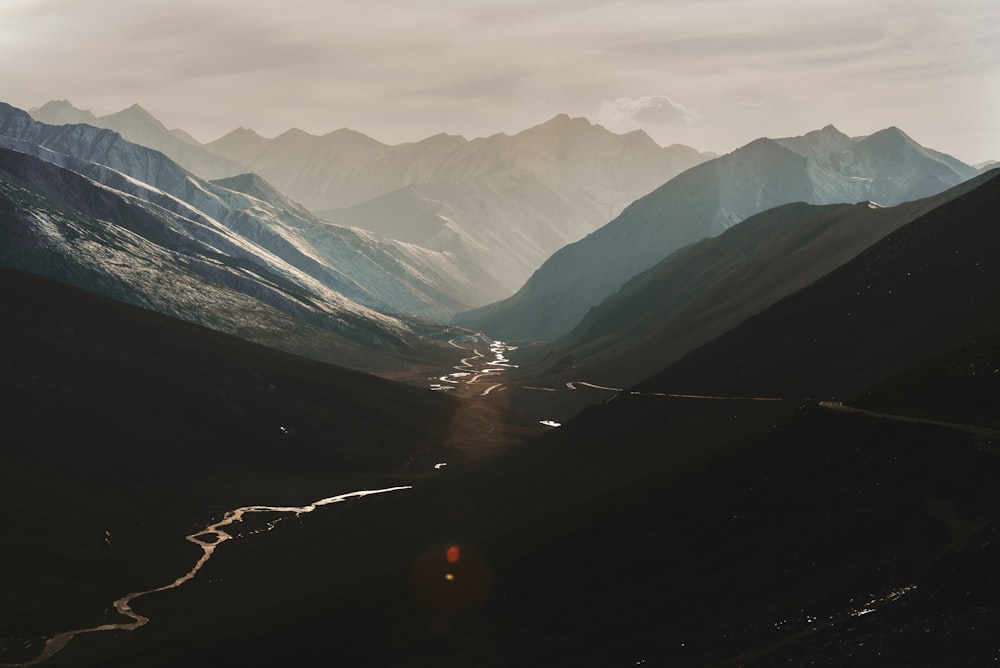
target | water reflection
x=208, y=539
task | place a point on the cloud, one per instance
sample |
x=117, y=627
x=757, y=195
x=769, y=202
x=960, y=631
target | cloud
x=626, y=113
x=400, y=71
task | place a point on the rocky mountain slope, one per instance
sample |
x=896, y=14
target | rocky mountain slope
x=380, y=274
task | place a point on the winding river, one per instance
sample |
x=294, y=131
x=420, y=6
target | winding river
x=208, y=539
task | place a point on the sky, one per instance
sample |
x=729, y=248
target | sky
x=713, y=74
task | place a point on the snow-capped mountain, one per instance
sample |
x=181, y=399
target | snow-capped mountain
x=822, y=167
x=92, y=227
x=381, y=274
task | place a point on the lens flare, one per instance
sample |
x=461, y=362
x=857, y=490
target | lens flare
x=453, y=578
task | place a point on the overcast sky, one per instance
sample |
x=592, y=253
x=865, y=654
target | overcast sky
x=713, y=74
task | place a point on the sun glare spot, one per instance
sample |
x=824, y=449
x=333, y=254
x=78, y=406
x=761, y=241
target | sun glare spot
x=452, y=554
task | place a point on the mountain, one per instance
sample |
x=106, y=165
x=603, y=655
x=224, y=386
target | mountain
x=822, y=167
x=932, y=275
x=62, y=112
x=504, y=203
x=649, y=530
x=255, y=264
x=500, y=205
x=708, y=287
x=140, y=127
x=345, y=168
x=64, y=225
x=321, y=172
x=380, y=273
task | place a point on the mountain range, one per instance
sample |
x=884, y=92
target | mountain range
x=822, y=167
x=138, y=126
x=87, y=222
x=501, y=203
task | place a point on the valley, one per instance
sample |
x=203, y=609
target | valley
x=742, y=412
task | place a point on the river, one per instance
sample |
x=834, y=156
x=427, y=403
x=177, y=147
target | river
x=209, y=540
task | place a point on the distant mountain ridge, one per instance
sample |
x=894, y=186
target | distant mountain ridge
x=821, y=167
x=140, y=127
x=509, y=202
x=502, y=204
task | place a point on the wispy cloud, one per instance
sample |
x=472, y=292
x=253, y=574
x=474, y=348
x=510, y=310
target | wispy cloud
x=623, y=114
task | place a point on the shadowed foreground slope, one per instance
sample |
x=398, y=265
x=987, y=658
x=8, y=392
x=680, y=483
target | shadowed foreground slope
x=125, y=429
x=672, y=531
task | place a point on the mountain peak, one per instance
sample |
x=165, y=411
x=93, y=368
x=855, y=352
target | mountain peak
x=57, y=104
x=560, y=127
x=892, y=132
x=135, y=114
x=241, y=136
x=567, y=120
x=61, y=112
x=135, y=109
x=821, y=143
x=347, y=134
x=293, y=134
x=888, y=139
x=249, y=132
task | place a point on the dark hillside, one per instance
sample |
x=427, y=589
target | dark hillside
x=125, y=421
x=655, y=530
x=929, y=287
x=648, y=531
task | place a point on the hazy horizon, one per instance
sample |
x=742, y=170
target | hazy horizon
x=712, y=74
